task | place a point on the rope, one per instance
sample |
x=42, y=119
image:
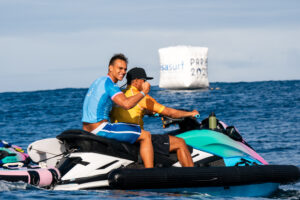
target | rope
x=64, y=153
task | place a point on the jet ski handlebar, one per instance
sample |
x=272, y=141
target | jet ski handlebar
x=167, y=121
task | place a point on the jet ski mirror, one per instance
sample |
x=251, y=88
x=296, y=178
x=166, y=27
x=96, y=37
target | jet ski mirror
x=233, y=133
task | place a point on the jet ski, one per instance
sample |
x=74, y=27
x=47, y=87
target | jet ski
x=225, y=164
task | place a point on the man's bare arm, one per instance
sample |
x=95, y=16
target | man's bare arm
x=152, y=106
x=129, y=102
x=174, y=113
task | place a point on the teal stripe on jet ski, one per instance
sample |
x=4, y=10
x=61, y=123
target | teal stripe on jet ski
x=215, y=143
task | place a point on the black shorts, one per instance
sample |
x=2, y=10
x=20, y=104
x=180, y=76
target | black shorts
x=161, y=143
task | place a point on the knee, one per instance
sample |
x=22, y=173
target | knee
x=181, y=142
x=146, y=135
x=178, y=143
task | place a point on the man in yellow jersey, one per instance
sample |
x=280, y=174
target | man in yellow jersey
x=164, y=143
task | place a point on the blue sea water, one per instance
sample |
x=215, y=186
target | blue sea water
x=266, y=113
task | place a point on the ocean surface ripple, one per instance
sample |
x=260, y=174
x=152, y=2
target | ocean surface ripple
x=266, y=113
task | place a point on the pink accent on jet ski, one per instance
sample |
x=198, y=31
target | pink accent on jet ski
x=15, y=174
x=223, y=124
x=251, y=152
x=45, y=176
x=255, y=155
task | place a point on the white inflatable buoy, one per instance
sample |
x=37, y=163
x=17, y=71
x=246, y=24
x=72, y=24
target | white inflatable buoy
x=183, y=67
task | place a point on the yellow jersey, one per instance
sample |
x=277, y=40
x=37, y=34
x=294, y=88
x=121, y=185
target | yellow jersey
x=135, y=115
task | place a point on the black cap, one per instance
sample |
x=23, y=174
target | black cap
x=137, y=73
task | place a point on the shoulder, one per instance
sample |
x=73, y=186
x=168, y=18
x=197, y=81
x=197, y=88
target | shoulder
x=99, y=81
x=109, y=83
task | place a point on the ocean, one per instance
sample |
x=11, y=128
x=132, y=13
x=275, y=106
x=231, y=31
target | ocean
x=267, y=114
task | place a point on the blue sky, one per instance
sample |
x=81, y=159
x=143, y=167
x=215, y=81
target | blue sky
x=48, y=44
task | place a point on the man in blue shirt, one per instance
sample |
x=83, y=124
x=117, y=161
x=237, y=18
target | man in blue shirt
x=98, y=104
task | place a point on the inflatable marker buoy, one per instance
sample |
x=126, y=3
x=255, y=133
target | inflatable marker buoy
x=183, y=67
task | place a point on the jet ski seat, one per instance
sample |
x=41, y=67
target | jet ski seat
x=83, y=141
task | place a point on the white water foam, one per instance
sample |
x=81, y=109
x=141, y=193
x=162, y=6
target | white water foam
x=9, y=186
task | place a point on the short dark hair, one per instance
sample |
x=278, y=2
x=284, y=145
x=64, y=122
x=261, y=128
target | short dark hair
x=119, y=56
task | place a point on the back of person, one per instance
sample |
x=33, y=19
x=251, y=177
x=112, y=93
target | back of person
x=97, y=103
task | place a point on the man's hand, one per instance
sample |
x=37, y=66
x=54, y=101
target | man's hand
x=146, y=87
x=194, y=113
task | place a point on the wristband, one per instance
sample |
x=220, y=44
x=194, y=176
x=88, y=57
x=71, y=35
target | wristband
x=142, y=93
x=197, y=116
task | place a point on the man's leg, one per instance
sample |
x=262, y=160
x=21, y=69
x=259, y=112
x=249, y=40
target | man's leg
x=146, y=149
x=144, y=138
x=183, y=154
